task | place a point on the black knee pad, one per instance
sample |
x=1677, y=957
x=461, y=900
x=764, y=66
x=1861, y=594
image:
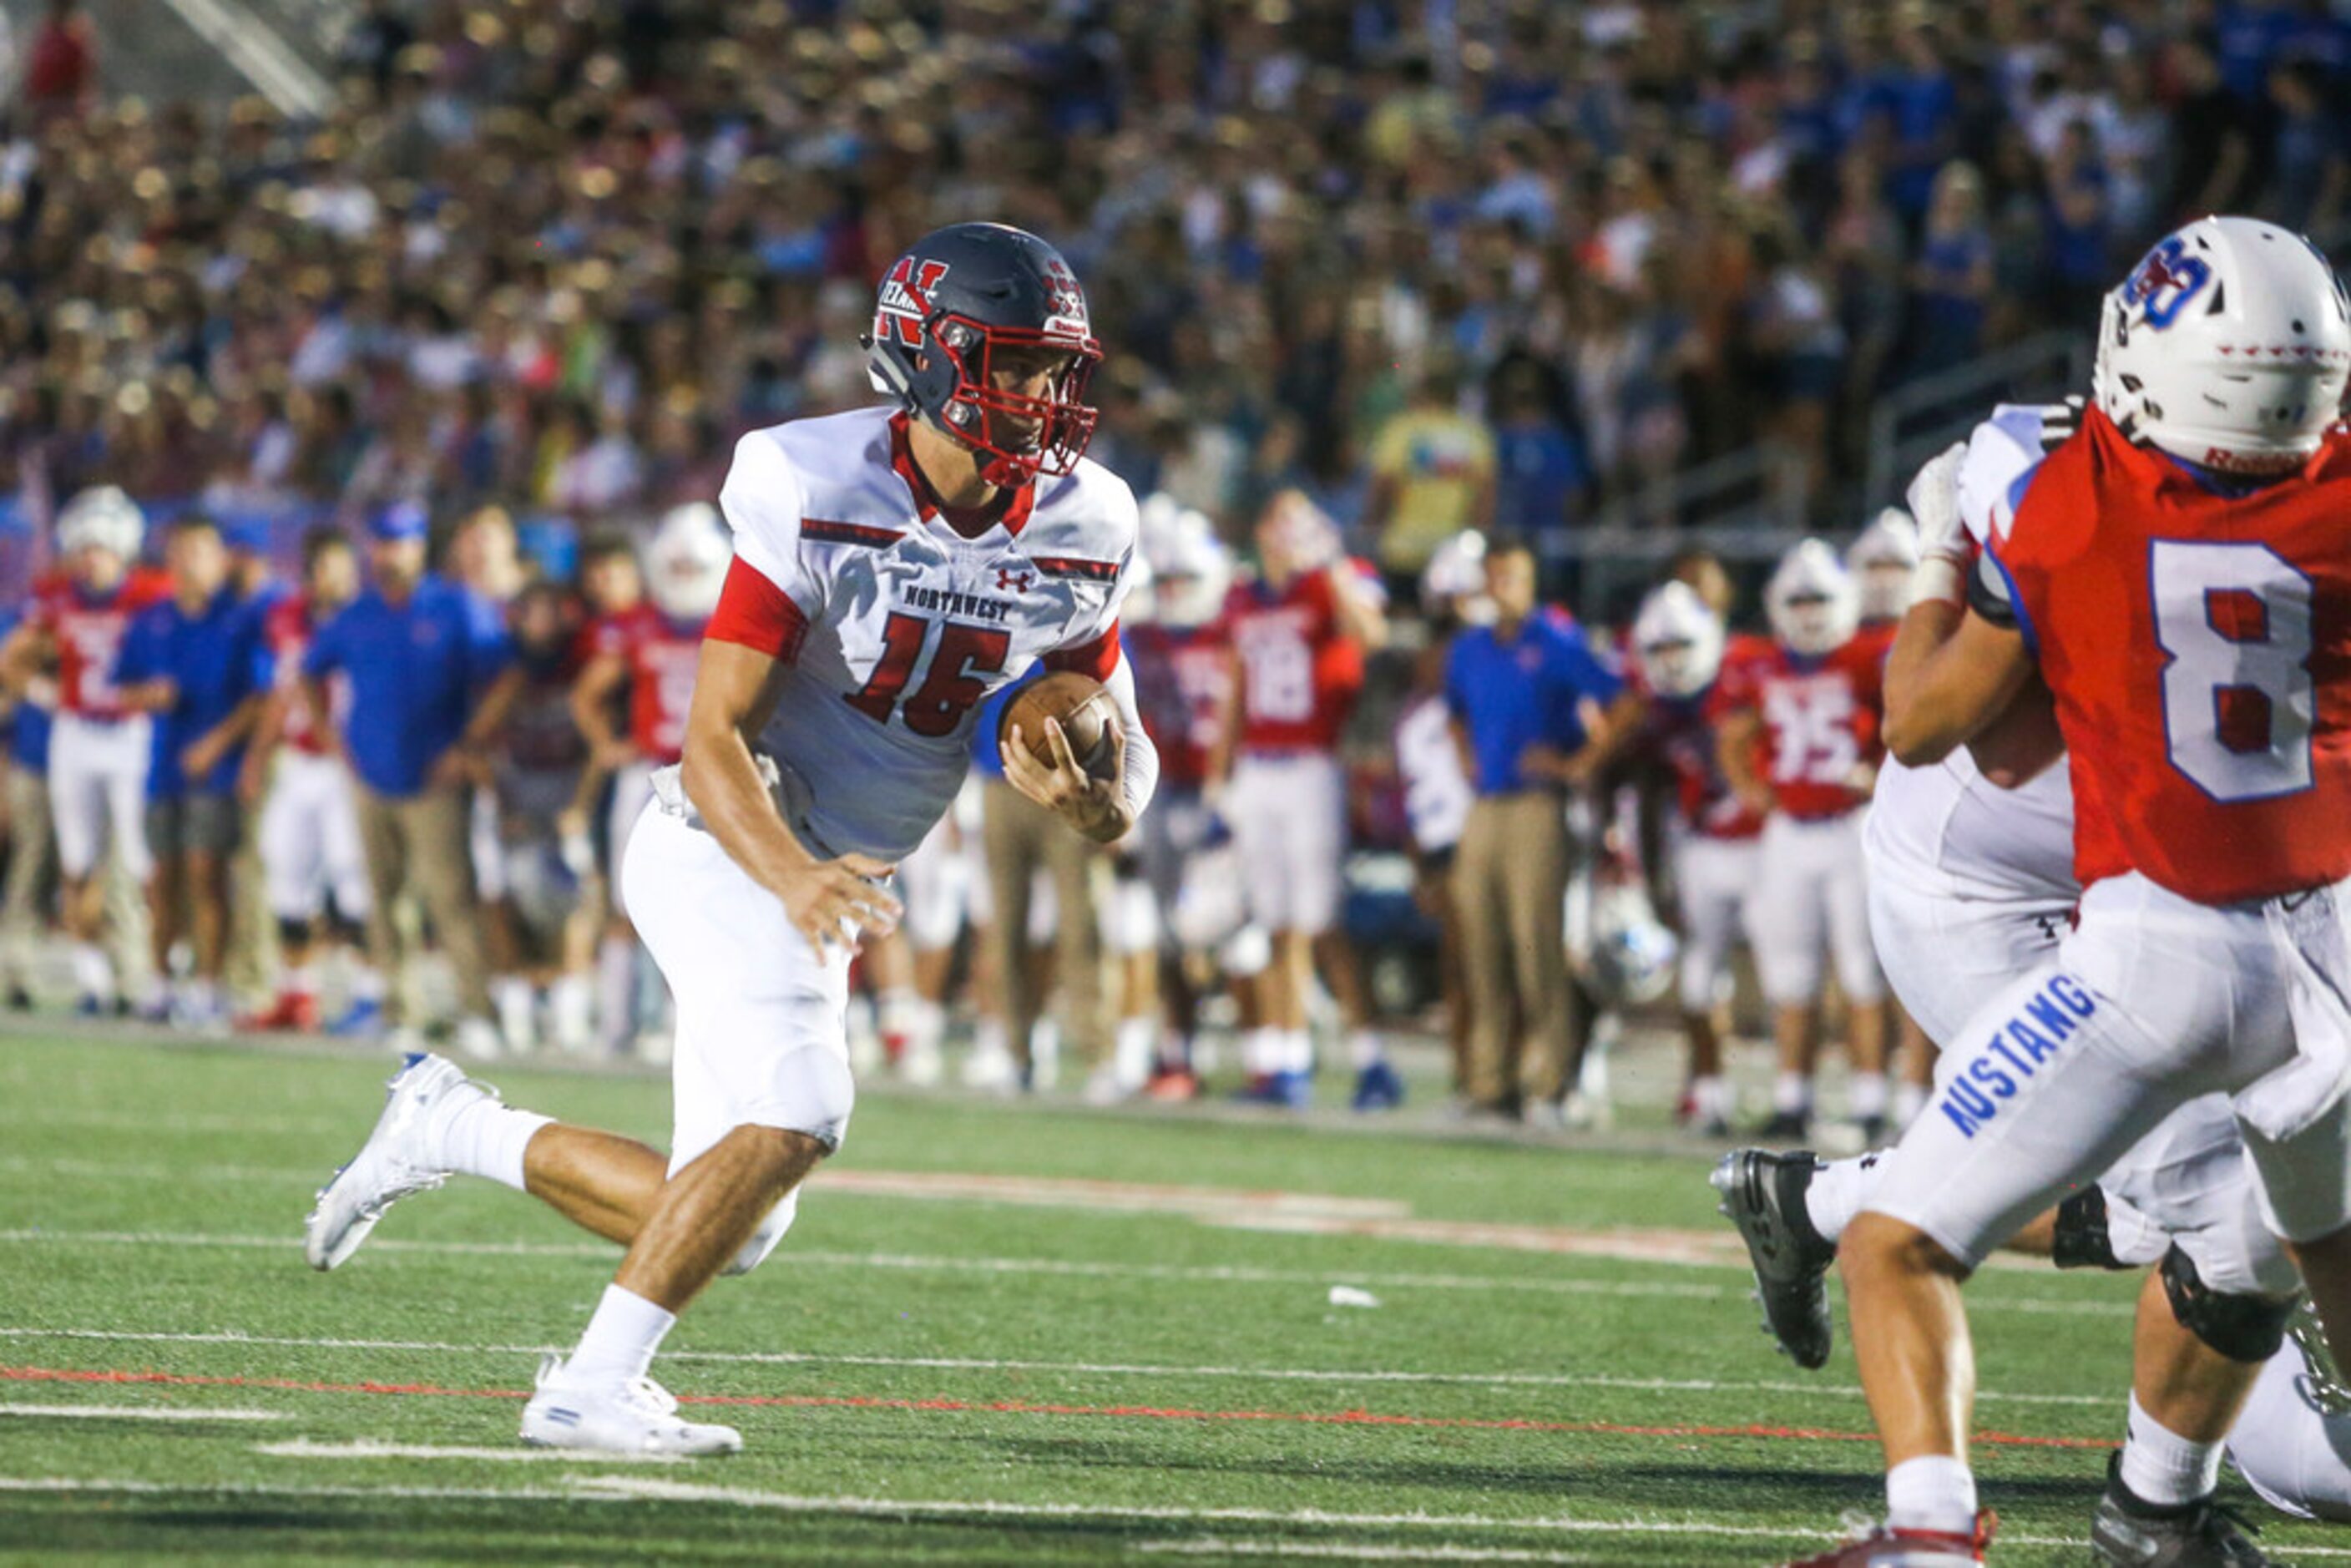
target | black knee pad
x=2248, y=1328
x=2080, y=1239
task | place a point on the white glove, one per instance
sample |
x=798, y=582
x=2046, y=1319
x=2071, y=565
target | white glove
x=1934, y=499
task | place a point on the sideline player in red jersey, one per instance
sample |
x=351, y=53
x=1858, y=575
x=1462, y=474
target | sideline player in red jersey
x=1797, y=737
x=2178, y=574
x=1713, y=837
x=643, y=649
x=98, y=750
x=1183, y=681
x=1299, y=633
x=312, y=862
x=894, y=566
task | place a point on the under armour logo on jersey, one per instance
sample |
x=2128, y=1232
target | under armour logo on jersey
x=906, y=300
x=1010, y=582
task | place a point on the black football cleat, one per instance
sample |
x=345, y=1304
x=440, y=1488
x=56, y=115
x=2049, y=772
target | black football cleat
x=1763, y=1195
x=1787, y=1127
x=2130, y=1532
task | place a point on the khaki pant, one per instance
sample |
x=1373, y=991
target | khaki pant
x=420, y=843
x=1510, y=888
x=1019, y=836
x=32, y=873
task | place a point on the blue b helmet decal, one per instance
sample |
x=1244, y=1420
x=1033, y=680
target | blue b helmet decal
x=2165, y=281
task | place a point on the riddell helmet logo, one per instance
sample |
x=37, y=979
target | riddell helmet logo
x=906, y=300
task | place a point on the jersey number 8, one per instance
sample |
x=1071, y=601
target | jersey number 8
x=2238, y=696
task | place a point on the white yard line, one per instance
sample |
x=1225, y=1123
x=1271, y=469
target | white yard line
x=302, y=1448
x=635, y=1488
x=1068, y=1368
x=140, y=1412
x=1981, y=1301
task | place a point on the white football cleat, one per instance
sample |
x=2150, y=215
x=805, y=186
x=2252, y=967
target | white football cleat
x=390, y=1166
x=636, y=1417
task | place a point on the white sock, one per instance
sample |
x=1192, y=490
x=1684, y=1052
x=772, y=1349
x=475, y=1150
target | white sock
x=572, y=1012
x=302, y=981
x=1709, y=1100
x=621, y=1339
x=1261, y=1051
x=1132, y=1055
x=1364, y=1048
x=991, y=1037
x=480, y=1136
x=1297, y=1051
x=1837, y=1192
x=616, y=988
x=1933, y=1491
x=366, y=981
x=2163, y=1468
x=1910, y=1098
x=1866, y=1095
x=898, y=1007
x=1791, y=1093
x=93, y=976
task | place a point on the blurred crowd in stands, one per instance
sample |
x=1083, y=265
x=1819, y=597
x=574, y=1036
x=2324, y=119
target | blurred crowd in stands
x=1436, y=265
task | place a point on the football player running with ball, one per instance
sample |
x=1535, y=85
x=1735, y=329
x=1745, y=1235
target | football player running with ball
x=2177, y=572
x=892, y=566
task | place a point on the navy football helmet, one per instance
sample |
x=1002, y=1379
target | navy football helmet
x=949, y=309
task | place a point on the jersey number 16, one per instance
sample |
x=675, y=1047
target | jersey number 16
x=955, y=682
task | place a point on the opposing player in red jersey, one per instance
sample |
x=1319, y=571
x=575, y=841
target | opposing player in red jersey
x=644, y=653
x=1712, y=836
x=308, y=835
x=98, y=752
x=2179, y=574
x=1299, y=633
x=1183, y=686
x=1797, y=737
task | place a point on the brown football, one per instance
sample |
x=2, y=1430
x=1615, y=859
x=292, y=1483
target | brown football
x=1082, y=705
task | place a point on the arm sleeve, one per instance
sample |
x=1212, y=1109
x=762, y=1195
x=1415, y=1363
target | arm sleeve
x=762, y=502
x=1141, y=776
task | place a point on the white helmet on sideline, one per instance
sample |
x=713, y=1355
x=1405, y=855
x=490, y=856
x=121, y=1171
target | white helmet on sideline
x=686, y=562
x=1453, y=581
x=1812, y=600
x=102, y=517
x=1882, y=559
x=1193, y=569
x=1677, y=638
x=2227, y=346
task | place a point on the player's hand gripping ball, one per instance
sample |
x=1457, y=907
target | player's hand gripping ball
x=1087, y=716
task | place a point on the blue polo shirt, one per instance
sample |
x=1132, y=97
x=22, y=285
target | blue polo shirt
x=1511, y=695
x=214, y=658
x=416, y=670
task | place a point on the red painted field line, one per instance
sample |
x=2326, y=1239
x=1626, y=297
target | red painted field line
x=1024, y=1407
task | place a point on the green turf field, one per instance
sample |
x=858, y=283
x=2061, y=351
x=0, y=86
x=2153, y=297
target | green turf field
x=997, y=1334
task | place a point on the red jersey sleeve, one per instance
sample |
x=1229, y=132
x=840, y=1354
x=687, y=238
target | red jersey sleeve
x=754, y=614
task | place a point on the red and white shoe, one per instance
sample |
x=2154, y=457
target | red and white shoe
x=1887, y=1547
x=295, y=1011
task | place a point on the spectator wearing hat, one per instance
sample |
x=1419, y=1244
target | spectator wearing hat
x=422, y=667
x=1536, y=713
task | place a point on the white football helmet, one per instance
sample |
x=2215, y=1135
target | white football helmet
x=1629, y=954
x=1677, y=638
x=1192, y=568
x=1882, y=560
x=686, y=562
x=2227, y=346
x=1812, y=600
x=102, y=517
x=1453, y=581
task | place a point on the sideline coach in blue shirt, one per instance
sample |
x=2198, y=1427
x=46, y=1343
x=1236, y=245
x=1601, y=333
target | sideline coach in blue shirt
x=422, y=664
x=1535, y=713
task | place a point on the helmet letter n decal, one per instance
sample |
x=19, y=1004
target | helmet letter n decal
x=906, y=300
